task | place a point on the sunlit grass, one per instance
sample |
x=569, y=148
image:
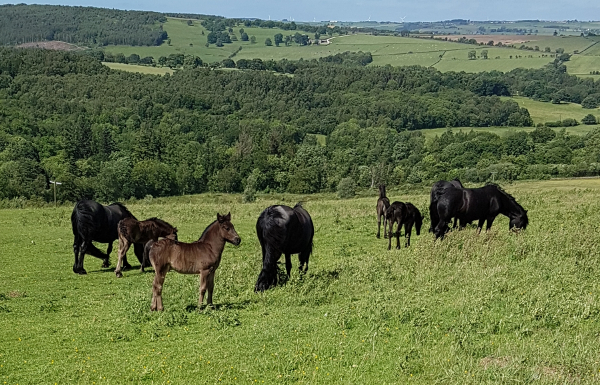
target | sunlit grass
x=479, y=309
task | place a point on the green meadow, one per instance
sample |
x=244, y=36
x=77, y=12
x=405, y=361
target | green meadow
x=393, y=50
x=493, y=308
x=138, y=68
x=540, y=112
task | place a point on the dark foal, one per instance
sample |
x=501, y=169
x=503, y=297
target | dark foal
x=403, y=214
x=382, y=205
x=132, y=231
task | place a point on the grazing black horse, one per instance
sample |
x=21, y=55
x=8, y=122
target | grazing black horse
x=283, y=230
x=481, y=204
x=93, y=222
x=432, y=206
x=403, y=214
x=382, y=205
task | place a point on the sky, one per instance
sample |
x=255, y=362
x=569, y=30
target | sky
x=358, y=10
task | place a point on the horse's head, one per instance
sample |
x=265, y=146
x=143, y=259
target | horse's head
x=519, y=221
x=226, y=229
x=419, y=223
x=382, y=191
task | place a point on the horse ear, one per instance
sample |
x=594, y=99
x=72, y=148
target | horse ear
x=227, y=217
x=220, y=218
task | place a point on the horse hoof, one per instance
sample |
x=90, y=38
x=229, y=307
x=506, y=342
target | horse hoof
x=378, y=236
x=106, y=264
x=82, y=272
x=119, y=274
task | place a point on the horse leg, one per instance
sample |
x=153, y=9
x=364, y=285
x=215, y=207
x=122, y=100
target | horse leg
x=480, y=225
x=108, y=251
x=268, y=274
x=490, y=221
x=76, y=245
x=204, y=274
x=157, y=286
x=440, y=229
x=288, y=264
x=210, y=286
x=398, y=236
x=303, y=259
x=407, y=233
x=385, y=234
x=390, y=232
x=123, y=247
x=82, y=249
x=96, y=252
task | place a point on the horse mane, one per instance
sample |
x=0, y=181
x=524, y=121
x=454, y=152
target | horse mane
x=507, y=195
x=122, y=207
x=161, y=223
x=206, y=230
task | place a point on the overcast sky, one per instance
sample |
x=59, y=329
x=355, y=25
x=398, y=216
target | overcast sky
x=356, y=10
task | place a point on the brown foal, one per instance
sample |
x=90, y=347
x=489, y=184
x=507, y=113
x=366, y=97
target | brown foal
x=201, y=257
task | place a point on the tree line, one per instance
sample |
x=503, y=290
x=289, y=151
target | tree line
x=23, y=23
x=112, y=135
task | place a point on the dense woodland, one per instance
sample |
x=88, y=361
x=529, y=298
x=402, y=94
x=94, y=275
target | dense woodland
x=111, y=135
x=83, y=25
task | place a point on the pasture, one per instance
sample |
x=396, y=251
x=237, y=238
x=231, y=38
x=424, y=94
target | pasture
x=473, y=309
x=393, y=50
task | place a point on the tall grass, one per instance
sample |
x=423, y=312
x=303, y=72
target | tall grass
x=474, y=309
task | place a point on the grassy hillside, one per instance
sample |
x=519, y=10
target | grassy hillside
x=140, y=69
x=577, y=130
x=392, y=50
x=385, y=49
x=473, y=309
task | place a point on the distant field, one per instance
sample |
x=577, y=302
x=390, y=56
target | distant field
x=542, y=112
x=582, y=65
x=577, y=130
x=392, y=50
x=568, y=43
x=141, y=69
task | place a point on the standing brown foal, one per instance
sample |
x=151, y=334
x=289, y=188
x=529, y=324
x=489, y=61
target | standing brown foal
x=133, y=231
x=201, y=257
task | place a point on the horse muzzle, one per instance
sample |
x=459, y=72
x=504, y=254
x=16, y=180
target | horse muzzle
x=236, y=241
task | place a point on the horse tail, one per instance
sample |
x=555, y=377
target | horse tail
x=82, y=220
x=271, y=225
x=122, y=229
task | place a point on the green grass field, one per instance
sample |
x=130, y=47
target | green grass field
x=392, y=50
x=576, y=130
x=474, y=309
x=542, y=112
x=140, y=69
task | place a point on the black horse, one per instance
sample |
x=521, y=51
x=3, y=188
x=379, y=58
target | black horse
x=283, y=230
x=403, y=214
x=481, y=204
x=432, y=206
x=93, y=222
